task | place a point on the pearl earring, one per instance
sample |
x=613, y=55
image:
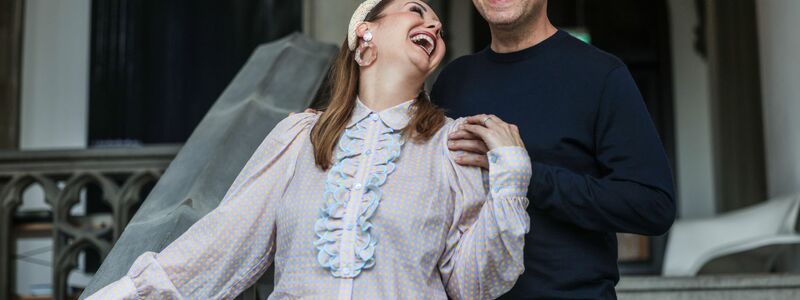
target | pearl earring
x=368, y=36
x=372, y=55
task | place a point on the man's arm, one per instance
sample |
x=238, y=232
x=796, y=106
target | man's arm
x=635, y=191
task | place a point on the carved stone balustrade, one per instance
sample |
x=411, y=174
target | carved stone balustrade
x=120, y=175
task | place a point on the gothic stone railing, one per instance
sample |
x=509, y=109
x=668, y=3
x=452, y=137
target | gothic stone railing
x=120, y=175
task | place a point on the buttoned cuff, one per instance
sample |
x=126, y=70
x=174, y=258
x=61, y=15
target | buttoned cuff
x=509, y=172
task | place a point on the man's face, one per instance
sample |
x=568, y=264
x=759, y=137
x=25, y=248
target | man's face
x=508, y=13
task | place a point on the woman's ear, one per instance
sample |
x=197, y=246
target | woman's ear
x=362, y=29
x=365, y=52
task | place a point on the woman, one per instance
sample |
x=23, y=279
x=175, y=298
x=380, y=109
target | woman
x=364, y=201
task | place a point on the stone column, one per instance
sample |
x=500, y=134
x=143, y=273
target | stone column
x=11, y=12
x=693, y=132
x=733, y=62
x=780, y=72
x=55, y=75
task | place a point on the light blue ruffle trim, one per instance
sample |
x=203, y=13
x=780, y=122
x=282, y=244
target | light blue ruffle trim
x=340, y=179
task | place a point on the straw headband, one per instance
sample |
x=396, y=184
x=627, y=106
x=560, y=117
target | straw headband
x=358, y=16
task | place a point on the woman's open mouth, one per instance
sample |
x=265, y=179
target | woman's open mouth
x=424, y=40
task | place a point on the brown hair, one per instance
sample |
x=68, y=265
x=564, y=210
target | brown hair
x=425, y=121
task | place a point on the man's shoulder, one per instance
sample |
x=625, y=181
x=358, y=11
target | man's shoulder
x=587, y=56
x=449, y=79
x=568, y=51
x=460, y=65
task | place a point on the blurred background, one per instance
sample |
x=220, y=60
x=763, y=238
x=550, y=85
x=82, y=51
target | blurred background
x=98, y=96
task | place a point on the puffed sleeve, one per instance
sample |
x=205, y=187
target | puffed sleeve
x=484, y=249
x=231, y=247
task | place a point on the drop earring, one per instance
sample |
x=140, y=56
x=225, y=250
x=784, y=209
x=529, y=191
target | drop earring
x=364, y=49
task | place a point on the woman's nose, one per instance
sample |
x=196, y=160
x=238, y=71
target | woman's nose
x=436, y=26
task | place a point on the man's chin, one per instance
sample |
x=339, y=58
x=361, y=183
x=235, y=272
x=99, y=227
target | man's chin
x=502, y=19
x=514, y=18
x=506, y=22
x=503, y=24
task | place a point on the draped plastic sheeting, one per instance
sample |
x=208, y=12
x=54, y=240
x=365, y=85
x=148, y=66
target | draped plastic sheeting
x=280, y=77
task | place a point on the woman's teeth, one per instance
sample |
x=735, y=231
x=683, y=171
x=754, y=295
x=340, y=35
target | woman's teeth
x=425, y=42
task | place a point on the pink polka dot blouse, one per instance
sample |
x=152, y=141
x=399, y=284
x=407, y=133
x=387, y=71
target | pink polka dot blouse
x=391, y=219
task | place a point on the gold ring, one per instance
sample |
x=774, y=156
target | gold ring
x=484, y=120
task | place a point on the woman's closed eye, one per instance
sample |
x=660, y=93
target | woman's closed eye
x=417, y=9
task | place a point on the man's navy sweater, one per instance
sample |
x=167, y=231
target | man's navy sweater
x=599, y=166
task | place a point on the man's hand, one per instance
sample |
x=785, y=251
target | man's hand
x=479, y=135
x=310, y=111
x=473, y=146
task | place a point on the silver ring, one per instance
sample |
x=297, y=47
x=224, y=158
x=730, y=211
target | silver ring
x=484, y=120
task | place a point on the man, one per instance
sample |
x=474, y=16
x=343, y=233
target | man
x=599, y=167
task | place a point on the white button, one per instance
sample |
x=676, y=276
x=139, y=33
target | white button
x=368, y=152
x=357, y=186
x=374, y=117
x=349, y=227
x=346, y=271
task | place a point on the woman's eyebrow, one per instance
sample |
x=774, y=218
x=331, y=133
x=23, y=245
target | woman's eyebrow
x=418, y=4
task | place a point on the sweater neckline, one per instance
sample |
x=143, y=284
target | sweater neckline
x=524, y=53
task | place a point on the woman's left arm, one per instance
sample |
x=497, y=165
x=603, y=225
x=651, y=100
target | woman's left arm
x=228, y=249
x=484, y=253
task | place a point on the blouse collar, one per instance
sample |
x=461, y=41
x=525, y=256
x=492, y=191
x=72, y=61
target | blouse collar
x=396, y=117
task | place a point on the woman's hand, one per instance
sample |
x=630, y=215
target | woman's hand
x=481, y=134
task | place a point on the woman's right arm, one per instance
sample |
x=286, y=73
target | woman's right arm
x=231, y=247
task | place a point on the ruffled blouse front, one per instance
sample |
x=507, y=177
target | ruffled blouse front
x=367, y=151
x=391, y=219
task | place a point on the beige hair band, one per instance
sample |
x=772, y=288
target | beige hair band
x=358, y=16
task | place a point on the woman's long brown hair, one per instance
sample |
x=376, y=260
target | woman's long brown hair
x=426, y=118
